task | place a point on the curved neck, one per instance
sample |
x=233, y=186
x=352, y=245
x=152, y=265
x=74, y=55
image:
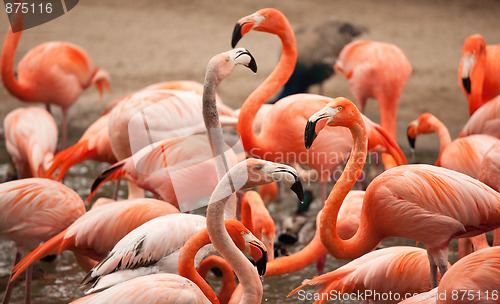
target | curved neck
x=246, y=273
x=246, y=215
x=186, y=267
x=228, y=281
x=14, y=86
x=477, y=79
x=271, y=85
x=364, y=240
x=444, y=136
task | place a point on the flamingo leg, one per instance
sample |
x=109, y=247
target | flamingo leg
x=10, y=284
x=117, y=188
x=438, y=258
x=64, y=129
x=29, y=275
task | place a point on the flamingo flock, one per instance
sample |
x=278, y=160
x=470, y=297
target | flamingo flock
x=203, y=178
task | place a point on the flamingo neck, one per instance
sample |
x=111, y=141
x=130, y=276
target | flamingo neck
x=186, y=266
x=16, y=87
x=246, y=214
x=246, y=273
x=477, y=80
x=444, y=136
x=228, y=280
x=271, y=85
x=364, y=240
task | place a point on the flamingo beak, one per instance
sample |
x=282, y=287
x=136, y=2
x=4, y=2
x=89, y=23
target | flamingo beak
x=310, y=131
x=466, y=84
x=411, y=133
x=411, y=140
x=259, y=256
x=252, y=65
x=236, y=35
x=467, y=66
x=297, y=188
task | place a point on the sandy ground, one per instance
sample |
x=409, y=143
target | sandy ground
x=143, y=42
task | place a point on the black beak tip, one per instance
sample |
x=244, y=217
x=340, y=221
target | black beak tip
x=310, y=134
x=411, y=140
x=253, y=65
x=297, y=188
x=466, y=83
x=236, y=35
x=261, y=264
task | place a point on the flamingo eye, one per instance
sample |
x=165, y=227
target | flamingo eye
x=259, y=167
x=227, y=58
x=340, y=108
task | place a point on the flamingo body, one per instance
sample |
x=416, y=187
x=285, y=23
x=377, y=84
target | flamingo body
x=486, y=120
x=31, y=140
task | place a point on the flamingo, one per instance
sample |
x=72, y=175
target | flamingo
x=241, y=237
x=85, y=235
x=94, y=144
x=379, y=70
x=159, y=249
x=31, y=140
x=33, y=211
x=479, y=71
x=489, y=171
x=256, y=217
x=429, y=204
x=228, y=281
x=398, y=270
x=463, y=154
x=473, y=279
x=51, y=73
x=280, y=137
x=486, y=120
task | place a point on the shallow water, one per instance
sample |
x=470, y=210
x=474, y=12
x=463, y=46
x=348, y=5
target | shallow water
x=60, y=283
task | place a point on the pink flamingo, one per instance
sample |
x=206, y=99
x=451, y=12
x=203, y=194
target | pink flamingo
x=463, y=154
x=50, y=73
x=94, y=144
x=33, y=211
x=289, y=115
x=85, y=235
x=398, y=270
x=379, y=70
x=486, y=120
x=479, y=71
x=429, y=204
x=31, y=140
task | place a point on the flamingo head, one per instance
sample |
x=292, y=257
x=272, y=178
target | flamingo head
x=424, y=124
x=338, y=112
x=248, y=243
x=224, y=64
x=474, y=46
x=268, y=20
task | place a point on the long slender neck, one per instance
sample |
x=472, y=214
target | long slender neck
x=246, y=273
x=477, y=80
x=443, y=134
x=271, y=85
x=186, y=266
x=363, y=241
x=14, y=86
x=228, y=280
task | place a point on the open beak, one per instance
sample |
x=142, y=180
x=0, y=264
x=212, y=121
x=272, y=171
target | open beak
x=259, y=256
x=252, y=65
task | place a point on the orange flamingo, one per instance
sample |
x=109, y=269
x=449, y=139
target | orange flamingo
x=463, y=154
x=50, y=73
x=429, y=204
x=473, y=279
x=228, y=281
x=379, y=70
x=31, y=140
x=33, y=211
x=280, y=137
x=486, y=120
x=241, y=237
x=256, y=217
x=85, y=236
x=94, y=144
x=397, y=270
x=479, y=71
